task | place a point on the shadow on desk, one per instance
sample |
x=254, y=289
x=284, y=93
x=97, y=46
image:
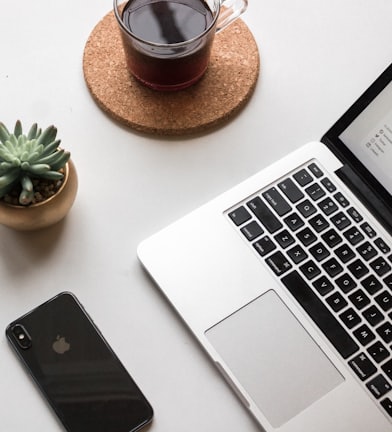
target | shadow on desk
x=20, y=251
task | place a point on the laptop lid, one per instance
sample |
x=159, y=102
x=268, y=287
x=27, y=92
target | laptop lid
x=362, y=140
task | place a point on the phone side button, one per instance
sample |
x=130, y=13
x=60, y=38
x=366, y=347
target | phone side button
x=232, y=385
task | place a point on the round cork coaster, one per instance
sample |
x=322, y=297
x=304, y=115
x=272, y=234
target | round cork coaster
x=225, y=88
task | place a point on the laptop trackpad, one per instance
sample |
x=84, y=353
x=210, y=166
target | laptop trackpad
x=274, y=358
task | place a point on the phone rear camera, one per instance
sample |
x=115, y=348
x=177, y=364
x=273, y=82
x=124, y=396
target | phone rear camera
x=21, y=335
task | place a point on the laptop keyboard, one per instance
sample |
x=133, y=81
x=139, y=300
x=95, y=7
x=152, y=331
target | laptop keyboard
x=334, y=263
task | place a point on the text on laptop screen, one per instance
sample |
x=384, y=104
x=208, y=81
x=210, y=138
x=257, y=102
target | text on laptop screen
x=369, y=137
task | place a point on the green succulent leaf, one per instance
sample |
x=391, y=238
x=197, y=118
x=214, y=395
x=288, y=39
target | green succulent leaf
x=56, y=160
x=6, y=166
x=26, y=197
x=18, y=128
x=14, y=141
x=50, y=148
x=9, y=178
x=8, y=146
x=52, y=175
x=47, y=136
x=4, y=134
x=36, y=169
x=26, y=183
x=34, y=155
x=33, y=132
x=5, y=155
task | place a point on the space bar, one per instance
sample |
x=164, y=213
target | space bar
x=319, y=313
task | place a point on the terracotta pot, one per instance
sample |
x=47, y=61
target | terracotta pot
x=46, y=213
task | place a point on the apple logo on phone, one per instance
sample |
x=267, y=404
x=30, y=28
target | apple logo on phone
x=60, y=345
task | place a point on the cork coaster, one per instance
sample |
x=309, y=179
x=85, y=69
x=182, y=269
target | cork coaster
x=225, y=88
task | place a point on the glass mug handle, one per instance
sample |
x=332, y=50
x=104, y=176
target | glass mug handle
x=229, y=11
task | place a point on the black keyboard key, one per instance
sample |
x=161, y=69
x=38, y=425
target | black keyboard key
x=359, y=299
x=380, y=266
x=355, y=216
x=336, y=301
x=303, y=177
x=320, y=314
x=328, y=206
x=362, y=366
x=350, y=318
x=332, y=238
x=297, y=254
x=379, y=386
x=284, y=238
x=345, y=283
x=264, y=215
x=382, y=246
x=291, y=190
x=371, y=284
x=315, y=191
x=385, y=332
x=323, y=285
x=367, y=251
x=388, y=281
x=319, y=223
x=364, y=335
x=306, y=237
x=341, y=221
x=344, y=253
x=294, y=221
x=378, y=352
x=264, y=246
x=341, y=199
x=384, y=300
x=373, y=315
x=239, y=215
x=315, y=170
x=368, y=230
x=332, y=267
x=276, y=201
x=252, y=230
x=358, y=269
x=278, y=263
x=326, y=182
x=310, y=270
x=387, y=369
x=387, y=405
x=319, y=251
x=306, y=208
x=353, y=236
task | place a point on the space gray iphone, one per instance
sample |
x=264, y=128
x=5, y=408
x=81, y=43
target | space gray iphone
x=76, y=370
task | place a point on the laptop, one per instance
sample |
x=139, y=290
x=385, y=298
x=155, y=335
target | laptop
x=286, y=279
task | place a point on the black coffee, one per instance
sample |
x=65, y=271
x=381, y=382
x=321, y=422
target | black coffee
x=167, y=66
x=167, y=22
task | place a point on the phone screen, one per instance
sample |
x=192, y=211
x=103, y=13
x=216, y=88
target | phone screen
x=76, y=370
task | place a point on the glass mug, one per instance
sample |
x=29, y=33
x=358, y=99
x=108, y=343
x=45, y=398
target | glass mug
x=167, y=43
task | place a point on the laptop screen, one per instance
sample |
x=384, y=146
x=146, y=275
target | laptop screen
x=369, y=137
x=362, y=140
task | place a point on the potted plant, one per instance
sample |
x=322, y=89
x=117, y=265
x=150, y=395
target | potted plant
x=38, y=181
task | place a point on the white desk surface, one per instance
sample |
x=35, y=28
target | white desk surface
x=317, y=57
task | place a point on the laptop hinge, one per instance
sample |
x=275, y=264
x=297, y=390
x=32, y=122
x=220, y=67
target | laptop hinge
x=367, y=196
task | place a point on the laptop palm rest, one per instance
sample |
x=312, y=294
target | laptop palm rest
x=274, y=358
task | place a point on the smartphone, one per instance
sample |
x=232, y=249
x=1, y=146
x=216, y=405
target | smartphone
x=76, y=370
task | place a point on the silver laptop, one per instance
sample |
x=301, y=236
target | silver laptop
x=286, y=279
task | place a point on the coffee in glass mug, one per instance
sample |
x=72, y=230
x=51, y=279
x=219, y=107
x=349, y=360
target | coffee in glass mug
x=167, y=43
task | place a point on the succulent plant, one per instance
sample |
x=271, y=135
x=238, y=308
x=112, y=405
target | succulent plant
x=25, y=157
